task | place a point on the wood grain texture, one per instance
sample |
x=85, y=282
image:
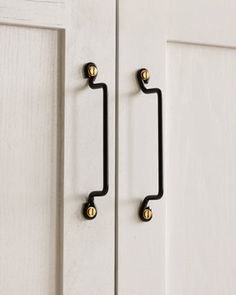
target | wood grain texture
x=87, y=249
x=43, y=13
x=30, y=132
x=88, y=244
x=205, y=22
x=201, y=170
x=141, y=246
x=197, y=234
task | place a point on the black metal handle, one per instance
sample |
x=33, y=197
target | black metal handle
x=145, y=212
x=89, y=209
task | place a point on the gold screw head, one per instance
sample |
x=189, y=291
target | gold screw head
x=145, y=75
x=147, y=214
x=92, y=71
x=91, y=212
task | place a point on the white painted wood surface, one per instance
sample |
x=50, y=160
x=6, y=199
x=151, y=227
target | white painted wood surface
x=48, y=248
x=195, y=230
x=201, y=170
x=72, y=255
x=207, y=22
x=44, y=13
x=140, y=245
x=88, y=245
x=30, y=132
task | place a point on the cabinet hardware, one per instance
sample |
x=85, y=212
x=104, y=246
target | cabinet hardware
x=89, y=208
x=145, y=212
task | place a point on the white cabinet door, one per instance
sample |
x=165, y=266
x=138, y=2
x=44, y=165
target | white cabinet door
x=51, y=147
x=189, y=245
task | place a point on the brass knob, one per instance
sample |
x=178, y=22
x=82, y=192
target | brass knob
x=91, y=212
x=147, y=214
x=144, y=74
x=92, y=70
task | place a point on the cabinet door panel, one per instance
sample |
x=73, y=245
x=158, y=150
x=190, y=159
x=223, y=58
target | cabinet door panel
x=30, y=132
x=201, y=205
x=189, y=48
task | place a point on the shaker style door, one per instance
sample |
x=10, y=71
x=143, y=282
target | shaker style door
x=188, y=247
x=52, y=141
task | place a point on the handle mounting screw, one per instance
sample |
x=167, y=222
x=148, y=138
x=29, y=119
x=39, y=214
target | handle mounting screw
x=147, y=214
x=92, y=70
x=91, y=212
x=145, y=75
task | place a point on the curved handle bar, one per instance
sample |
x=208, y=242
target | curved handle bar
x=89, y=210
x=145, y=213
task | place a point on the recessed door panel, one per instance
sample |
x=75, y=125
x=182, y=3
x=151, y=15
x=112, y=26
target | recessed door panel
x=200, y=173
x=31, y=134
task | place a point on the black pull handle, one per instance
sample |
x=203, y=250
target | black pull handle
x=89, y=209
x=145, y=213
